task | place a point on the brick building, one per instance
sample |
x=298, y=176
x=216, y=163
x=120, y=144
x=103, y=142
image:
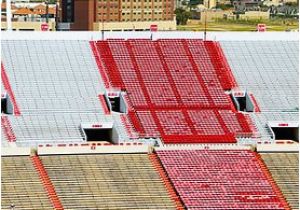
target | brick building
x=117, y=14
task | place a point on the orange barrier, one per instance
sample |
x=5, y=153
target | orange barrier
x=171, y=191
x=48, y=186
x=8, y=132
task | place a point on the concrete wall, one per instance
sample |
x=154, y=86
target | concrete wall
x=9, y=105
x=291, y=1
x=87, y=35
x=115, y=135
x=36, y=26
x=254, y=15
x=203, y=146
x=249, y=104
x=123, y=107
x=15, y=151
x=212, y=15
x=278, y=147
x=93, y=150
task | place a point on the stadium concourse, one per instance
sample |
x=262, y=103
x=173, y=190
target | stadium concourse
x=166, y=120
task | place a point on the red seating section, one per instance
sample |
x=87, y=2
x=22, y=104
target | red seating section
x=176, y=88
x=219, y=61
x=103, y=103
x=234, y=177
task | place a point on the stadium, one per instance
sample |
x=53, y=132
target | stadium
x=149, y=120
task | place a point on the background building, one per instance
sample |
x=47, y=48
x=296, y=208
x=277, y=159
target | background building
x=210, y=3
x=116, y=14
x=29, y=16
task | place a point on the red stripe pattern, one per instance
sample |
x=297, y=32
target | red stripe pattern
x=9, y=90
x=175, y=88
x=48, y=186
x=7, y=129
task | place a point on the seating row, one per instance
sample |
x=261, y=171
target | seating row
x=181, y=92
x=220, y=179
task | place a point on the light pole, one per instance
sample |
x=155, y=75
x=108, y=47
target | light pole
x=102, y=31
x=47, y=10
x=56, y=15
x=205, y=20
x=8, y=15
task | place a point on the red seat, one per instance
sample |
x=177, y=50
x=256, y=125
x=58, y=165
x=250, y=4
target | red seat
x=175, y=88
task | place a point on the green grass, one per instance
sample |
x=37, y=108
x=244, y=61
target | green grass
x=225, y=25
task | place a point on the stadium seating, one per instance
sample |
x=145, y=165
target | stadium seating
x=108, y=181
x=191, y=79
x=259, y=67
x=284, y=168
x=21, y=186
x=56, y=85
x=177, y=93
x=220, y=179
x=175, y=87
x=270, y=71
x=261, y=119
x=51, y=128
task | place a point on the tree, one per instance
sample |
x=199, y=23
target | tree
x=182, y=16
x=195, y=2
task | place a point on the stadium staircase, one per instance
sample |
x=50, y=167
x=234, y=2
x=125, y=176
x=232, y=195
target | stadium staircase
x=7, y=87
x=48, y=186
x=7, y=129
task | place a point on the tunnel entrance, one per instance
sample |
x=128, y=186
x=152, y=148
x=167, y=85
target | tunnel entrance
x=115, y=101
x=285, y=131
x=99, y=132
x=242, y=101
x=6, y=104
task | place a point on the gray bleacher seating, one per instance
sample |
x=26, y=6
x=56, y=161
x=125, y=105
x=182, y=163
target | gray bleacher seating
x=284, y=168
x=21, y=185
x=56, y=85
x=269, y=70
x=107, y=181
